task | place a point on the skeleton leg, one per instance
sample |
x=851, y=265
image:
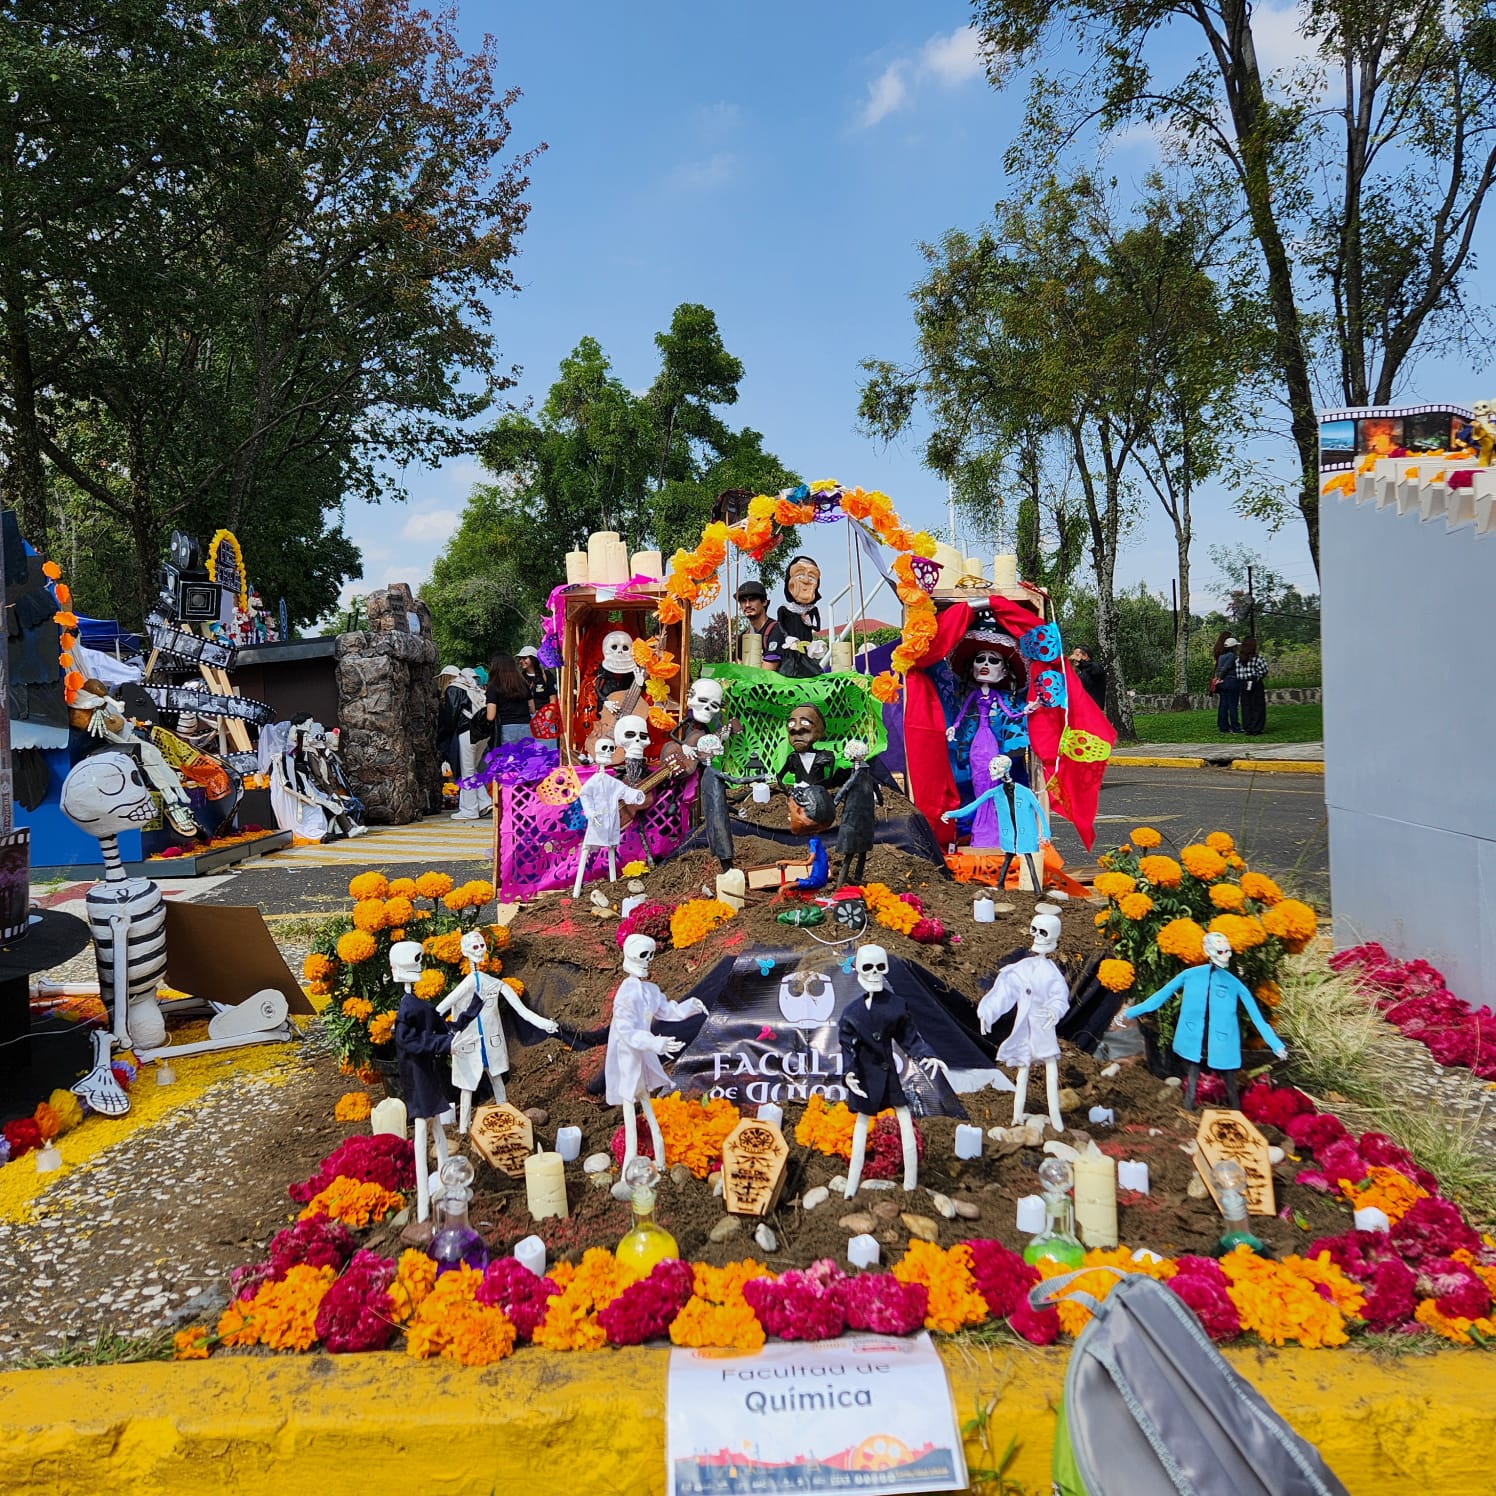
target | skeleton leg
x=1191, y=1082
x=1052, y=1092
x=576, y=888
x=910, y=1147
x=654, y=1131
x=423, y=1179
x=440, y=1139
x=1020, y=1095
x=1228, y=1079
x=496, y=1080
x=1002, y=876
x=630, y=1135
x=613, y=870
x=119, y=932
x=859, y=1152
x=464, y=1113
x=1035, y=876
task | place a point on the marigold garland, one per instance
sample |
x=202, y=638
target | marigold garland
x=1281, y=1301
x=717, y=1314
x=281, y=1315
x=450, y=1322
x=1387, y=1190
x=954, y=1298
x=570, y=1322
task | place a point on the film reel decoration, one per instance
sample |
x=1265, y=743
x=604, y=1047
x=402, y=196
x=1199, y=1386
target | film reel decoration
x=210, y=704
x=192, y=649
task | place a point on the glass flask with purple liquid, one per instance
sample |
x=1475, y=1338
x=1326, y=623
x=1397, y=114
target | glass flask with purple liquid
x=456, y=1243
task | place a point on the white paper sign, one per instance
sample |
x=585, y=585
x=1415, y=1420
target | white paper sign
x=863, y=1413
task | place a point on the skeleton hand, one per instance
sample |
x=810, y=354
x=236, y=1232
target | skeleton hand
x=817, y=649
x=933, y=1066
x=695, y=1005
x=550, y=1026
x=669, y=1048
x=947, y=815
x=854, y=1085
x=950, y=734
x=1281, y=1052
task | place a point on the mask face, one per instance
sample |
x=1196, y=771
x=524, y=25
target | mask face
x=1044, y=934
x=806, y=728
x=806, y=998
x=872, y=968
x=105, y=795
x=803, y=583
x=474, y=947
x=638, y=952
x=999, y=767
x=1218, y=949
x=988, y=668
x=632, y=735
x=405, y=961
x=605, y=753
x=618, y=653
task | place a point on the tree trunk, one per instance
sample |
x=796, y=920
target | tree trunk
x=25, y=480
x=1182, y=637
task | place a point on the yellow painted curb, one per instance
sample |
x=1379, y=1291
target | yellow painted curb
x=545, y=1424
x=1124, y=761
x=1279, y=765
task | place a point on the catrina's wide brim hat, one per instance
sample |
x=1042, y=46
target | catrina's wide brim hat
x=983, y=634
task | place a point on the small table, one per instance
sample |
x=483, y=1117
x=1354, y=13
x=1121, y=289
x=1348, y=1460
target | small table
x=53, y=938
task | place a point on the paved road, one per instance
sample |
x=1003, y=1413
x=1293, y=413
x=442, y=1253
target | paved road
x=1278, y=820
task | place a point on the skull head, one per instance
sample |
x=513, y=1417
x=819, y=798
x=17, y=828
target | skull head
x=1000, y=768
x=806, y=998
x=1218, y=949
x=618, y=652
x=405, y=961
x=638, y=952
x=856, y=750
x=632, y=735
x=708, y=746
x=988, y=667
x=806, y=727
x=474, y=946
x=705, y=701
x=1482, y=408
x=871, y=968
x=1044, y=933
x=105, y=794
x=605, y=753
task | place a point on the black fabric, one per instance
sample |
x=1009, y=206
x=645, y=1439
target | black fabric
x=17, y=567
x=796, y=666
x=1253, y=707
x=859, y=799
x=451, y=719
x=1093, y=678
x=822, y=769
x=867, y=1033
x=749, y=1049
x=423, y=1043
x=43, y=705
x=28, y=774
x=716, y=817
x=510, y=711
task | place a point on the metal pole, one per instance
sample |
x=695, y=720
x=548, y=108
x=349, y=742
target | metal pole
x=1251, y=605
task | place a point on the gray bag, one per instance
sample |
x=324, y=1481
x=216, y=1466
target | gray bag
x=1151, y=1407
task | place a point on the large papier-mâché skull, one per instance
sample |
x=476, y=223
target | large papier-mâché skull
x=107, y=794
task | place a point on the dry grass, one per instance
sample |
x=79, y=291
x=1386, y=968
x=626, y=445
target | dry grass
x=1344, y=1054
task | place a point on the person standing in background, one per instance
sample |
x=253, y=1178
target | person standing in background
x=1091, y=674
x=1226, y=686
x=508, y=701
x=1251, y=672
x=462, y=736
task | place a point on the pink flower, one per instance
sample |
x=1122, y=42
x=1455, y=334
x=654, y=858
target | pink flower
x=355, y=1313
x=1432, y=1228
x=928, y=932
x=512, y=1287
x=1037, y=1326
x=1355, y=1253
x=1210, y=1302
x=1341, y=1161
x=1270, y=1105
x=878, y=1302
x=1391, y=1295
x=645, y=1309
x=1315, y=1130
x=1003, y=1278
x=370, y=1158
x=797, y=1307
x=1456, y=1288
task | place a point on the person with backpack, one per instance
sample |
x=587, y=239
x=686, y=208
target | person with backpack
x=1225, y=686
x=458, y=715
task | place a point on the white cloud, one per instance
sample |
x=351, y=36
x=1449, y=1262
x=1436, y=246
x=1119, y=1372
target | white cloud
x=946, y=60
x=719, y=119
x=432, y=524
x=713, y=172
x=885, y=94
x=952, y=60
x=1279, y=42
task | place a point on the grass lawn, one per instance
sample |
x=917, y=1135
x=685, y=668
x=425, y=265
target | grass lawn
x=1300, y=722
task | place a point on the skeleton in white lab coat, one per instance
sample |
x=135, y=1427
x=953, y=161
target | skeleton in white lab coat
x=1034, y=990
x=633, y=1068
x=480, y=1045
x=602, y=797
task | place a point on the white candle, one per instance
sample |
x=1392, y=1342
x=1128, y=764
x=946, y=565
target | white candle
x=968, y=1140
x=752, y=649
x=1132, y=1175
x=864, y=1251
x=1102, y=1116
x=768, y=1112
x=48, y=1159
x=952, y=564
x=1371, y=1218
x=649, y=564
x=984, y=911
x=618, y=554
x=732, y=887
x=530, y=1253
x=599, y=547
x=568, y=1143
x=1004, y=573
x=388, y=1117
x=576, y=567
x=545, y=1185
x=761, y=793
x=1031, y=1217
x=1096, y=1198
x=974, y=569
x=165, y=1075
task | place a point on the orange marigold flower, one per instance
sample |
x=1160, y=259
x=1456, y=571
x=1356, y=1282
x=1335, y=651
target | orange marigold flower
x=1268, y=994
x=414, y=1278
x=1387, y=1189
x=457, y=900
x=368, y=915
x=433, y=885
x=1116, y=976
x=1293, y=922
x=1144, y=837
x=1135, y=906
x=355, y=946
x=352, y=1106
x=1184, y=940
x=1227, y=896
x=1203, y=862
x=368, y=886
x=382, y=1028
x=399, y=911
x=955, y=1299
x=480, y=891
x=1220, y=841
x=1162, y=872
x=429, y=985
x=358, y=1007
x=1243, y=931
x=190, y=1345
x=1260, y=887
x=885, y=687
x=1114, y=885
x=317, y=967
x=695, y=919
x=354, y=1202
x=401, y=888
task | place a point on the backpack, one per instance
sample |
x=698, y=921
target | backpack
x=1150, y=1407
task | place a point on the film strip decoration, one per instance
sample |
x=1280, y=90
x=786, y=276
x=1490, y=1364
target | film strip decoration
x=180, y=646
x=194, y=698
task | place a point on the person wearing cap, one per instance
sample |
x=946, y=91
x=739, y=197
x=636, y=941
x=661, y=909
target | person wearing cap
x=537, y=682
x=1226, y=685
x=753, y=604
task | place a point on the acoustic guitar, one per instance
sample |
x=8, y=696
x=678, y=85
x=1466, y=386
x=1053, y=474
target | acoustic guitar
x=614, y=705
x=667, y=770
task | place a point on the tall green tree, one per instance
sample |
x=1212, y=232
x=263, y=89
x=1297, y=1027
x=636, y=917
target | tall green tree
x=1361, y=174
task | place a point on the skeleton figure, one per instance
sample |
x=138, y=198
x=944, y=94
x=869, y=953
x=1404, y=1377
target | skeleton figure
x=993, y=717
x=1207, y=1032
x=601, y=797
x=616, y=669
x=479, y=1044
x=632, y=1068
x=1007, y=816
x=807, y=764
x=107, y=720
x=1034, y=990
x=858, y=798
x=422, y=1044
x=631, y=734
x=703, y=716
x=712, y=793
x=104, y=795
x=869, y=1028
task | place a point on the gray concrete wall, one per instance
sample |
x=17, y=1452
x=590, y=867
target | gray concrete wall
x=1409, y=652
x=1199, y=702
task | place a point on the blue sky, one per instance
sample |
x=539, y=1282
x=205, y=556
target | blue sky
x=779, y=163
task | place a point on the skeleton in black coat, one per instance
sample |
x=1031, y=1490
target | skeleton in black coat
x=423, y=1044
x=859, y=799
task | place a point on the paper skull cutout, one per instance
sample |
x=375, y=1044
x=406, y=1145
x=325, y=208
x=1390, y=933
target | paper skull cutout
x=618, y=653
x=806, y=998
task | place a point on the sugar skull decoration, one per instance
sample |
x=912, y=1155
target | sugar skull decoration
x=618, y=653
x=1041, y=643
